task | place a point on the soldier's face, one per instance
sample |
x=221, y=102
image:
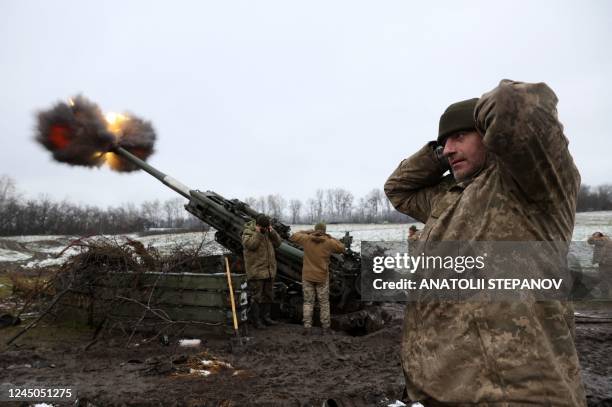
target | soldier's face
x=466, y=153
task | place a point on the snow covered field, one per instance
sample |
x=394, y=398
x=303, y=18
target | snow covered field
x=32, y=251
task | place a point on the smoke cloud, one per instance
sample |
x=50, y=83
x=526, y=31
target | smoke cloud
x=77, y=133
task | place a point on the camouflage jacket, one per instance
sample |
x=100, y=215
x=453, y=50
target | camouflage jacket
x=505, y=352
x=318, y=247
x=415, y=237
x=259, y=254
x=602, y=250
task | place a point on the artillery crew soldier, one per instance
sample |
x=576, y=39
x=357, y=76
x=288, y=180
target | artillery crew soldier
x=602, y=256
x=512, y=179
x=259, y=239
x=318, y=247
x=413, y=234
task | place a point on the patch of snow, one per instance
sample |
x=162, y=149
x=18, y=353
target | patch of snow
x=45, y=263
x=46, y=249
x=210, y=363
x=190, y=343
x=199, y=372
x=12, y=255
x=36, y=238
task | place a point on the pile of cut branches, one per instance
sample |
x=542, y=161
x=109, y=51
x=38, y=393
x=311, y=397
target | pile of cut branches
x=107, y=273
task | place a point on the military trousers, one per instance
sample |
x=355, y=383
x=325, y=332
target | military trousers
x=321, y=292
x=261, y=291
x=605, y=280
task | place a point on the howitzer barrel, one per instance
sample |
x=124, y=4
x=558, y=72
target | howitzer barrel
x=209, y=207
x=166, y=179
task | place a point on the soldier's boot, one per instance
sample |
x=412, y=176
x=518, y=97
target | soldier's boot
x=267, y=319
x=254, y=316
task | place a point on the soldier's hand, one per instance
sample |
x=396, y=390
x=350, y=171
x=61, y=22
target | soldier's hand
x=439, y=153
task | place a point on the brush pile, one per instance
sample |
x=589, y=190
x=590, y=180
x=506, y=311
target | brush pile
x=107, y=275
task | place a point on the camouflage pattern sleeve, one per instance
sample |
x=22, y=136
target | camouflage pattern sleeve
x=520, y=126
x=251, y=239
x=597, y=250
x=275, y=238
x=416, y=183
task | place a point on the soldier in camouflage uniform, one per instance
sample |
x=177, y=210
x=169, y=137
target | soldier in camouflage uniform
x=318, y=247
x=259, y=240
x=413, y=234
x=602, y=256
x=513, y=179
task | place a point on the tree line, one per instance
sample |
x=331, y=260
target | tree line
x=333, y=205
x=28, y=216
x=597, y=198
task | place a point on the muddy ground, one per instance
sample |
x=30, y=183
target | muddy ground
x=278, y=367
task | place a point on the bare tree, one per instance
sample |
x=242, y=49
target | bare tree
x=44, y=212
x=173, y=209
x=604, y=196
x=8, y=190
x=361, y=210
x=276, y=205
x=251, y=201
x=295, y=206
x=343, y=203
x=152, y=211
x=311, y=207
x=386, y=208
x=373, y=202
x=318, y=202
x=330, y=209
x=261, y=205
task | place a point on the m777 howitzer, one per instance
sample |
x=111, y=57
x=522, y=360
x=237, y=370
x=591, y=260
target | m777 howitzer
x=228, y=217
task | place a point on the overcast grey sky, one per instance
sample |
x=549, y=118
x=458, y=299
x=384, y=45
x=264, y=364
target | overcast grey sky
x=257, y=97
